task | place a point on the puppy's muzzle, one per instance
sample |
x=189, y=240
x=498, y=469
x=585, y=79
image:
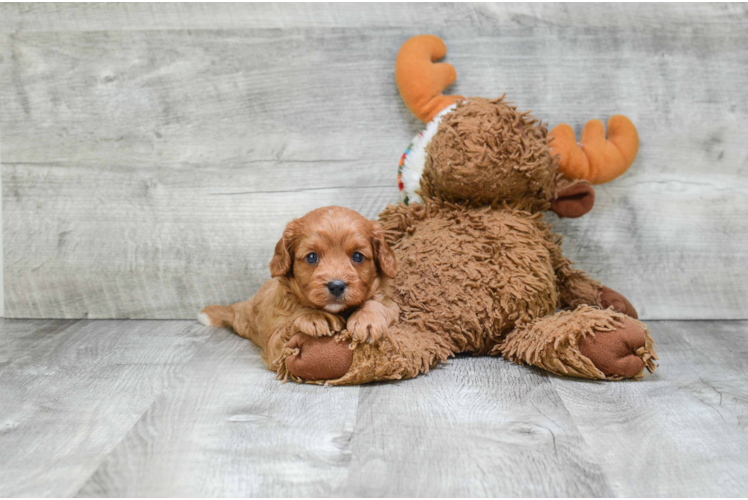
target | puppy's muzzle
x=336, y=288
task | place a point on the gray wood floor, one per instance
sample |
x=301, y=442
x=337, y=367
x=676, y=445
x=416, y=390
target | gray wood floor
x=171, y=408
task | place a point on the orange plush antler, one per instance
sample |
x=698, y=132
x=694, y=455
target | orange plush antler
x=420, y=81
x=596, y=159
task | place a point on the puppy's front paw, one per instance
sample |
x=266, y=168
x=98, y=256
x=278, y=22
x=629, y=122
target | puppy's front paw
x=367, y=326
x=318, y=324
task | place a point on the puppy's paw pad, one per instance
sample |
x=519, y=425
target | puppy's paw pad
x=318, y=358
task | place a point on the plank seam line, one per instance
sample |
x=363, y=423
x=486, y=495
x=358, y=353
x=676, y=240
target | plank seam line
x=301, y=190
x=126, y=433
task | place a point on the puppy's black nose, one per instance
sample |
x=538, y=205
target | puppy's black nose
x=336, y=287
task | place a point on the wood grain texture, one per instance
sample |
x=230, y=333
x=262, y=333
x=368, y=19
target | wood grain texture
x=685, y=431
x=121, y=16
x=2, y=267
x=157, y=220
x=71, y=390
x=152, y=408
x=98, y=17
x=231, y=429
x=475, y=427
x=152, y=154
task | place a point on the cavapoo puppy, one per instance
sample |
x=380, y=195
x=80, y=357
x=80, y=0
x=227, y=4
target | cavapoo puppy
x=330, y=272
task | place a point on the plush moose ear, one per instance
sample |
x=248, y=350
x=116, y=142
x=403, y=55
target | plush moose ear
x=574, y=199
x=383, y=254
x=283, y=257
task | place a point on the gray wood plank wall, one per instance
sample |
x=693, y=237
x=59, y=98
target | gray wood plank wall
x=151, y=154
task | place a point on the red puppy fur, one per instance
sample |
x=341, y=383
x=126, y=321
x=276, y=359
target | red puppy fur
x=329, y=265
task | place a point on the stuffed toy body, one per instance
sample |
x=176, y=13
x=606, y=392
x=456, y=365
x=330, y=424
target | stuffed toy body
x=479, y=270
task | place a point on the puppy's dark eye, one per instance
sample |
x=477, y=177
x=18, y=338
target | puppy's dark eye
x=358, y=257
x=312, y=258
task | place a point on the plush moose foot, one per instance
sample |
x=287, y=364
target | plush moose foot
x=611, y=298
x=405, y=352
x=620, y=353
x=587, y=342
x=318, y=358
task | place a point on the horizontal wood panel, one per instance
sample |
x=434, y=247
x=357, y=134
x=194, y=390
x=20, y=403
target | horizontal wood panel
x=99, y=17
x=145, y=245
x=148, y=173
x=139, y=16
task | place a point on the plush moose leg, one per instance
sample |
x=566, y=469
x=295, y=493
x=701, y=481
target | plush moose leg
x=587, y=342
x=575, y=288
x=404, y=353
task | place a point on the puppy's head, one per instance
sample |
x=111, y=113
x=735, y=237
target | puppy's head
x=334, y=258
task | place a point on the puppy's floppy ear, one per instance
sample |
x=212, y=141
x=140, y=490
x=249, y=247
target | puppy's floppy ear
x=283, y=258
x=383, y=254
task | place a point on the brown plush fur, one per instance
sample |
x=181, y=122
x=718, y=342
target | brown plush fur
x=481, y=272
x=553, y=343
x=486, y=150
x=297, y=299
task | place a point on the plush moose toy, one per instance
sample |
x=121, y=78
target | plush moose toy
x=479, y=271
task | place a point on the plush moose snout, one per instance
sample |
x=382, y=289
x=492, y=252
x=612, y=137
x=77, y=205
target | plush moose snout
x=574, y=199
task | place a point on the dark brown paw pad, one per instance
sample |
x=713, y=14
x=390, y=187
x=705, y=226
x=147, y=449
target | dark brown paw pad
x=611, y=298
x=318, y=358
x=621, y=353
